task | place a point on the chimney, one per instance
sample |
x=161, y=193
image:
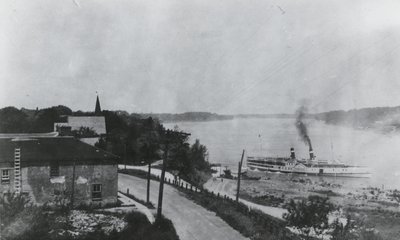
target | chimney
x=292, y=154
x=311, y=154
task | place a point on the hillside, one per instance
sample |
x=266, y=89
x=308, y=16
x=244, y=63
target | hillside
x=279, y=115
x=187, y=116
x=380, y=118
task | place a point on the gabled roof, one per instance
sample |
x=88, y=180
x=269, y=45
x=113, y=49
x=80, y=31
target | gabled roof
x=43, y=151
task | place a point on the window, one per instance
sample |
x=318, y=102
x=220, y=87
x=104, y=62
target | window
x=54, y=170
x=96, y=191
x=5, y=176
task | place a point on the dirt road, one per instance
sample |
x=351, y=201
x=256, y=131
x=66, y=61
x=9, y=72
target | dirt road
x=191, y=221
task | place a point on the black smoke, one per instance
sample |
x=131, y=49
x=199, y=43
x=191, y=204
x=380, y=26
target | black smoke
x=302, y=127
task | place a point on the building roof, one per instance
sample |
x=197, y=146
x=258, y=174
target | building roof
x=28, y=135
x=96, y=123
x=43, y=151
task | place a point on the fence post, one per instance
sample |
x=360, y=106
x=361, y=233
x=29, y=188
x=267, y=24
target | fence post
x=127, y=191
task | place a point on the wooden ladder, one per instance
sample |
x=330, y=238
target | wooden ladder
x=17, y=170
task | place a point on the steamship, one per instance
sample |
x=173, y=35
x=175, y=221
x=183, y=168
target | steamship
x=311, y=166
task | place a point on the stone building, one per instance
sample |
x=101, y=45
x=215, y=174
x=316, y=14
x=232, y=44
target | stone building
x=50, y=168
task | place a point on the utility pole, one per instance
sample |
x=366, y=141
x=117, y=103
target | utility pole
x=125, y=154
x=238, y=180
x=160, y=193
x=73, y=185
x=170, y=137
x=148, y=174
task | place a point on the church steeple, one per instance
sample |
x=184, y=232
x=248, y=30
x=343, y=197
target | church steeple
x=97, y=110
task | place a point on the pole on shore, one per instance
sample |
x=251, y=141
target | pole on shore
x=238, y=179
x=73, y=185
x=148, y=183
x=125, y=154
x=161, y=190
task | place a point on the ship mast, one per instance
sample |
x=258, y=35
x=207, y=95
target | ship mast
x=333, y=154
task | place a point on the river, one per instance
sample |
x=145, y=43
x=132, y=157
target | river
x=225, y=141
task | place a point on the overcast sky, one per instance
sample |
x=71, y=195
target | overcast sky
x=222, y=56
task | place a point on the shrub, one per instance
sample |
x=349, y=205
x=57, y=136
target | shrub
x=12, y=204
x=309, y=214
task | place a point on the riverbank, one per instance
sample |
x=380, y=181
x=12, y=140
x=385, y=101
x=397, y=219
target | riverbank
x=377, y=208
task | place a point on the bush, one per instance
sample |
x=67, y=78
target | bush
x=309, y=214
x=11, y=205
x=140, y=228
x=353, y=230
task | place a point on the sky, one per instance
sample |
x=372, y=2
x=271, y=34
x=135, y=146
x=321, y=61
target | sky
x=225, y=56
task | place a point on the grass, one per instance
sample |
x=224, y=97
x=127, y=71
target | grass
x=137, y=173
x=385, y=221
x=149, y=205
x=328, y=193
x=267, y=200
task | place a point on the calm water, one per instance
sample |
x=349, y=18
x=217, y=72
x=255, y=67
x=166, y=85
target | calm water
x=225, y=141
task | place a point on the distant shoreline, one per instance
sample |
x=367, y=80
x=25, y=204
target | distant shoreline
x=208, y=117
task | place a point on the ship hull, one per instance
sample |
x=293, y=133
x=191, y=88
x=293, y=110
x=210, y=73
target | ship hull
x=315, y=170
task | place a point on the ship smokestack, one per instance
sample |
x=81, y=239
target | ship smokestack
x=292, y=154
x=311, y=154
x=302, y=129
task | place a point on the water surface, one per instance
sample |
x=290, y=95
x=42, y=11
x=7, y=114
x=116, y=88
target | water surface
x=225, y=141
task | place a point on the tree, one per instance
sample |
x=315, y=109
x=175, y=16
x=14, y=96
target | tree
x=13, y=120
x=44, y=121
x=309, y=214
x=343, y=231
x=396, y=196
x=198, y=155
